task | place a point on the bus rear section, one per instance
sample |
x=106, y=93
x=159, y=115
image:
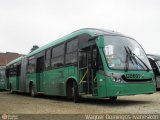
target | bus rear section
x=16, y=75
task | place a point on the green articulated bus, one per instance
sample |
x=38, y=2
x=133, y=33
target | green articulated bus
x=88, y=63
x=2, y=78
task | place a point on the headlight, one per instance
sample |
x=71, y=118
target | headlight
x=114, y=79
x=119, y=80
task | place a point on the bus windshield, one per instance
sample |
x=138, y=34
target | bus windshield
x=124, y=54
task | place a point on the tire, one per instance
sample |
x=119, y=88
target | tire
x=32, y=91
x=69, y=91
x=113, y=99
x=72, y=91
x=157, y=89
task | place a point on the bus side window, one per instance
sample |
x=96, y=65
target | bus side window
x=83, y=40
x=58, y=56
x=48, y=59
x=82, y=59
x=71, y=51
x=31, y=66
x=12, y=71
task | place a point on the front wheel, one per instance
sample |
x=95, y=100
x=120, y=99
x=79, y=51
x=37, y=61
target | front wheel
x=75, y=93
x=72, y=91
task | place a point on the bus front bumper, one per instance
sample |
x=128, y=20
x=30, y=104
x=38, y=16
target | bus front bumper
x=123, y=89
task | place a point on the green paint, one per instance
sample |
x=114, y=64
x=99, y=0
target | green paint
x=13, y=82
x=2, y=86
x=55, y=80
x=31, y=78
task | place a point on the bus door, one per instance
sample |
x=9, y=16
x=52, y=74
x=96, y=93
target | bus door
x=87, y=70
x=18, y=73
x=40, y=75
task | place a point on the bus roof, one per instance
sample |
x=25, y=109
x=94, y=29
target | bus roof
x=90, y=31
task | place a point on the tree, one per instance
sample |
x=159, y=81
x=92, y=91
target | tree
x=34, y=48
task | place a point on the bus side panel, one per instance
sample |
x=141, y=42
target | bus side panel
x=101, y=85
x=55, y=80
x=13, y=82
x=2, y=86
x=49, y=82
x=71, y=72
x=31, y=77
x=2, y=80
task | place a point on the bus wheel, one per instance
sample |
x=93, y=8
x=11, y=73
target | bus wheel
x=72, y=91
x=75, y=92
x=32, y=91
x=113, y=99
x=157, y=89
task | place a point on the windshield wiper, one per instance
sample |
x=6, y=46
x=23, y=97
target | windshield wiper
x=128, y=57
x=133, y=55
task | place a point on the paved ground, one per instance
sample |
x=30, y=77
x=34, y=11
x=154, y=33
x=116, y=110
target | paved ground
x=24, y=104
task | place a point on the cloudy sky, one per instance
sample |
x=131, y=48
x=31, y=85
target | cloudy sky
x=24, y=23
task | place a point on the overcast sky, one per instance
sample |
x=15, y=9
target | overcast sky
x=24, y=23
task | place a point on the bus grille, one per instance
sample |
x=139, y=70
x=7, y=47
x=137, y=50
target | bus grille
x=136, y=80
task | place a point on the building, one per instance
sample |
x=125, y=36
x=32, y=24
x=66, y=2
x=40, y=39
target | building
x=7, y=57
